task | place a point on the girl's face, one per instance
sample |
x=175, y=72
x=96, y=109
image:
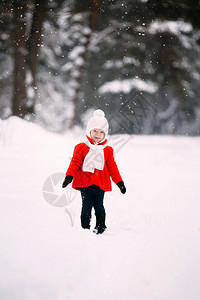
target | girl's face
x=97, y=135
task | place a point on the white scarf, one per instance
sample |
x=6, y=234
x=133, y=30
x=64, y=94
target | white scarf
x=94, y=158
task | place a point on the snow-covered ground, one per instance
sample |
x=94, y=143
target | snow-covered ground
x=151, y=250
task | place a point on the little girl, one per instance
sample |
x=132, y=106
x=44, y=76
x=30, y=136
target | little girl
x=90, y=168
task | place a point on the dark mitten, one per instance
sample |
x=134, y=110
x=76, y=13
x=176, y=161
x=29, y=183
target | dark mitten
x=68, y=179
x=122, y=187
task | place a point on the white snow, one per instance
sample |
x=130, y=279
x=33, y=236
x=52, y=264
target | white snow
x=174, y=27
x=78, y=50
x=153, y=253
x=79, y=61
x=120, y=63
x=126, y=85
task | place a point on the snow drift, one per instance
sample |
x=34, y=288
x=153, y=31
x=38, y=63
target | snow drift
x=151, y=248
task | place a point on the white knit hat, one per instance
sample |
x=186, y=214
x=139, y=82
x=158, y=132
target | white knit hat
x=98, y=120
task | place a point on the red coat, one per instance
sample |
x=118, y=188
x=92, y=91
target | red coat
x=100, y=178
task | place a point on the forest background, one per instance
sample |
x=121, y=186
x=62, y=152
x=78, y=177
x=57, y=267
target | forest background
x=138, y=60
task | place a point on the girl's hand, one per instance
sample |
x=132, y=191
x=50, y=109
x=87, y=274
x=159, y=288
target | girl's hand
x=68, y=180
x=122, y=187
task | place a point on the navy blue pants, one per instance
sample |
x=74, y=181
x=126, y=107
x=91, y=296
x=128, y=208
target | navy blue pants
x=92, y=197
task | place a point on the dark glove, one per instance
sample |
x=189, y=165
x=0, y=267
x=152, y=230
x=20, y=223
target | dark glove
x=122, y=187
x=68, y=180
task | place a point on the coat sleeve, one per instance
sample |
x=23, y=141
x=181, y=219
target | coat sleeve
x=112, y=167
x=76, y=161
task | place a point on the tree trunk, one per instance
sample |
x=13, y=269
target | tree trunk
x=34, y=42
x=20, y=54
x=26, y=54
x=91, y=24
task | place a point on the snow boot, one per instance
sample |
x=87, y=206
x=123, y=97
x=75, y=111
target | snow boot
x=85, y=221
x=100, y=224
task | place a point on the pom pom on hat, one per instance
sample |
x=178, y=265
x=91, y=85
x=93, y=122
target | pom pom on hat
x=98, y=113
x=99, y=121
